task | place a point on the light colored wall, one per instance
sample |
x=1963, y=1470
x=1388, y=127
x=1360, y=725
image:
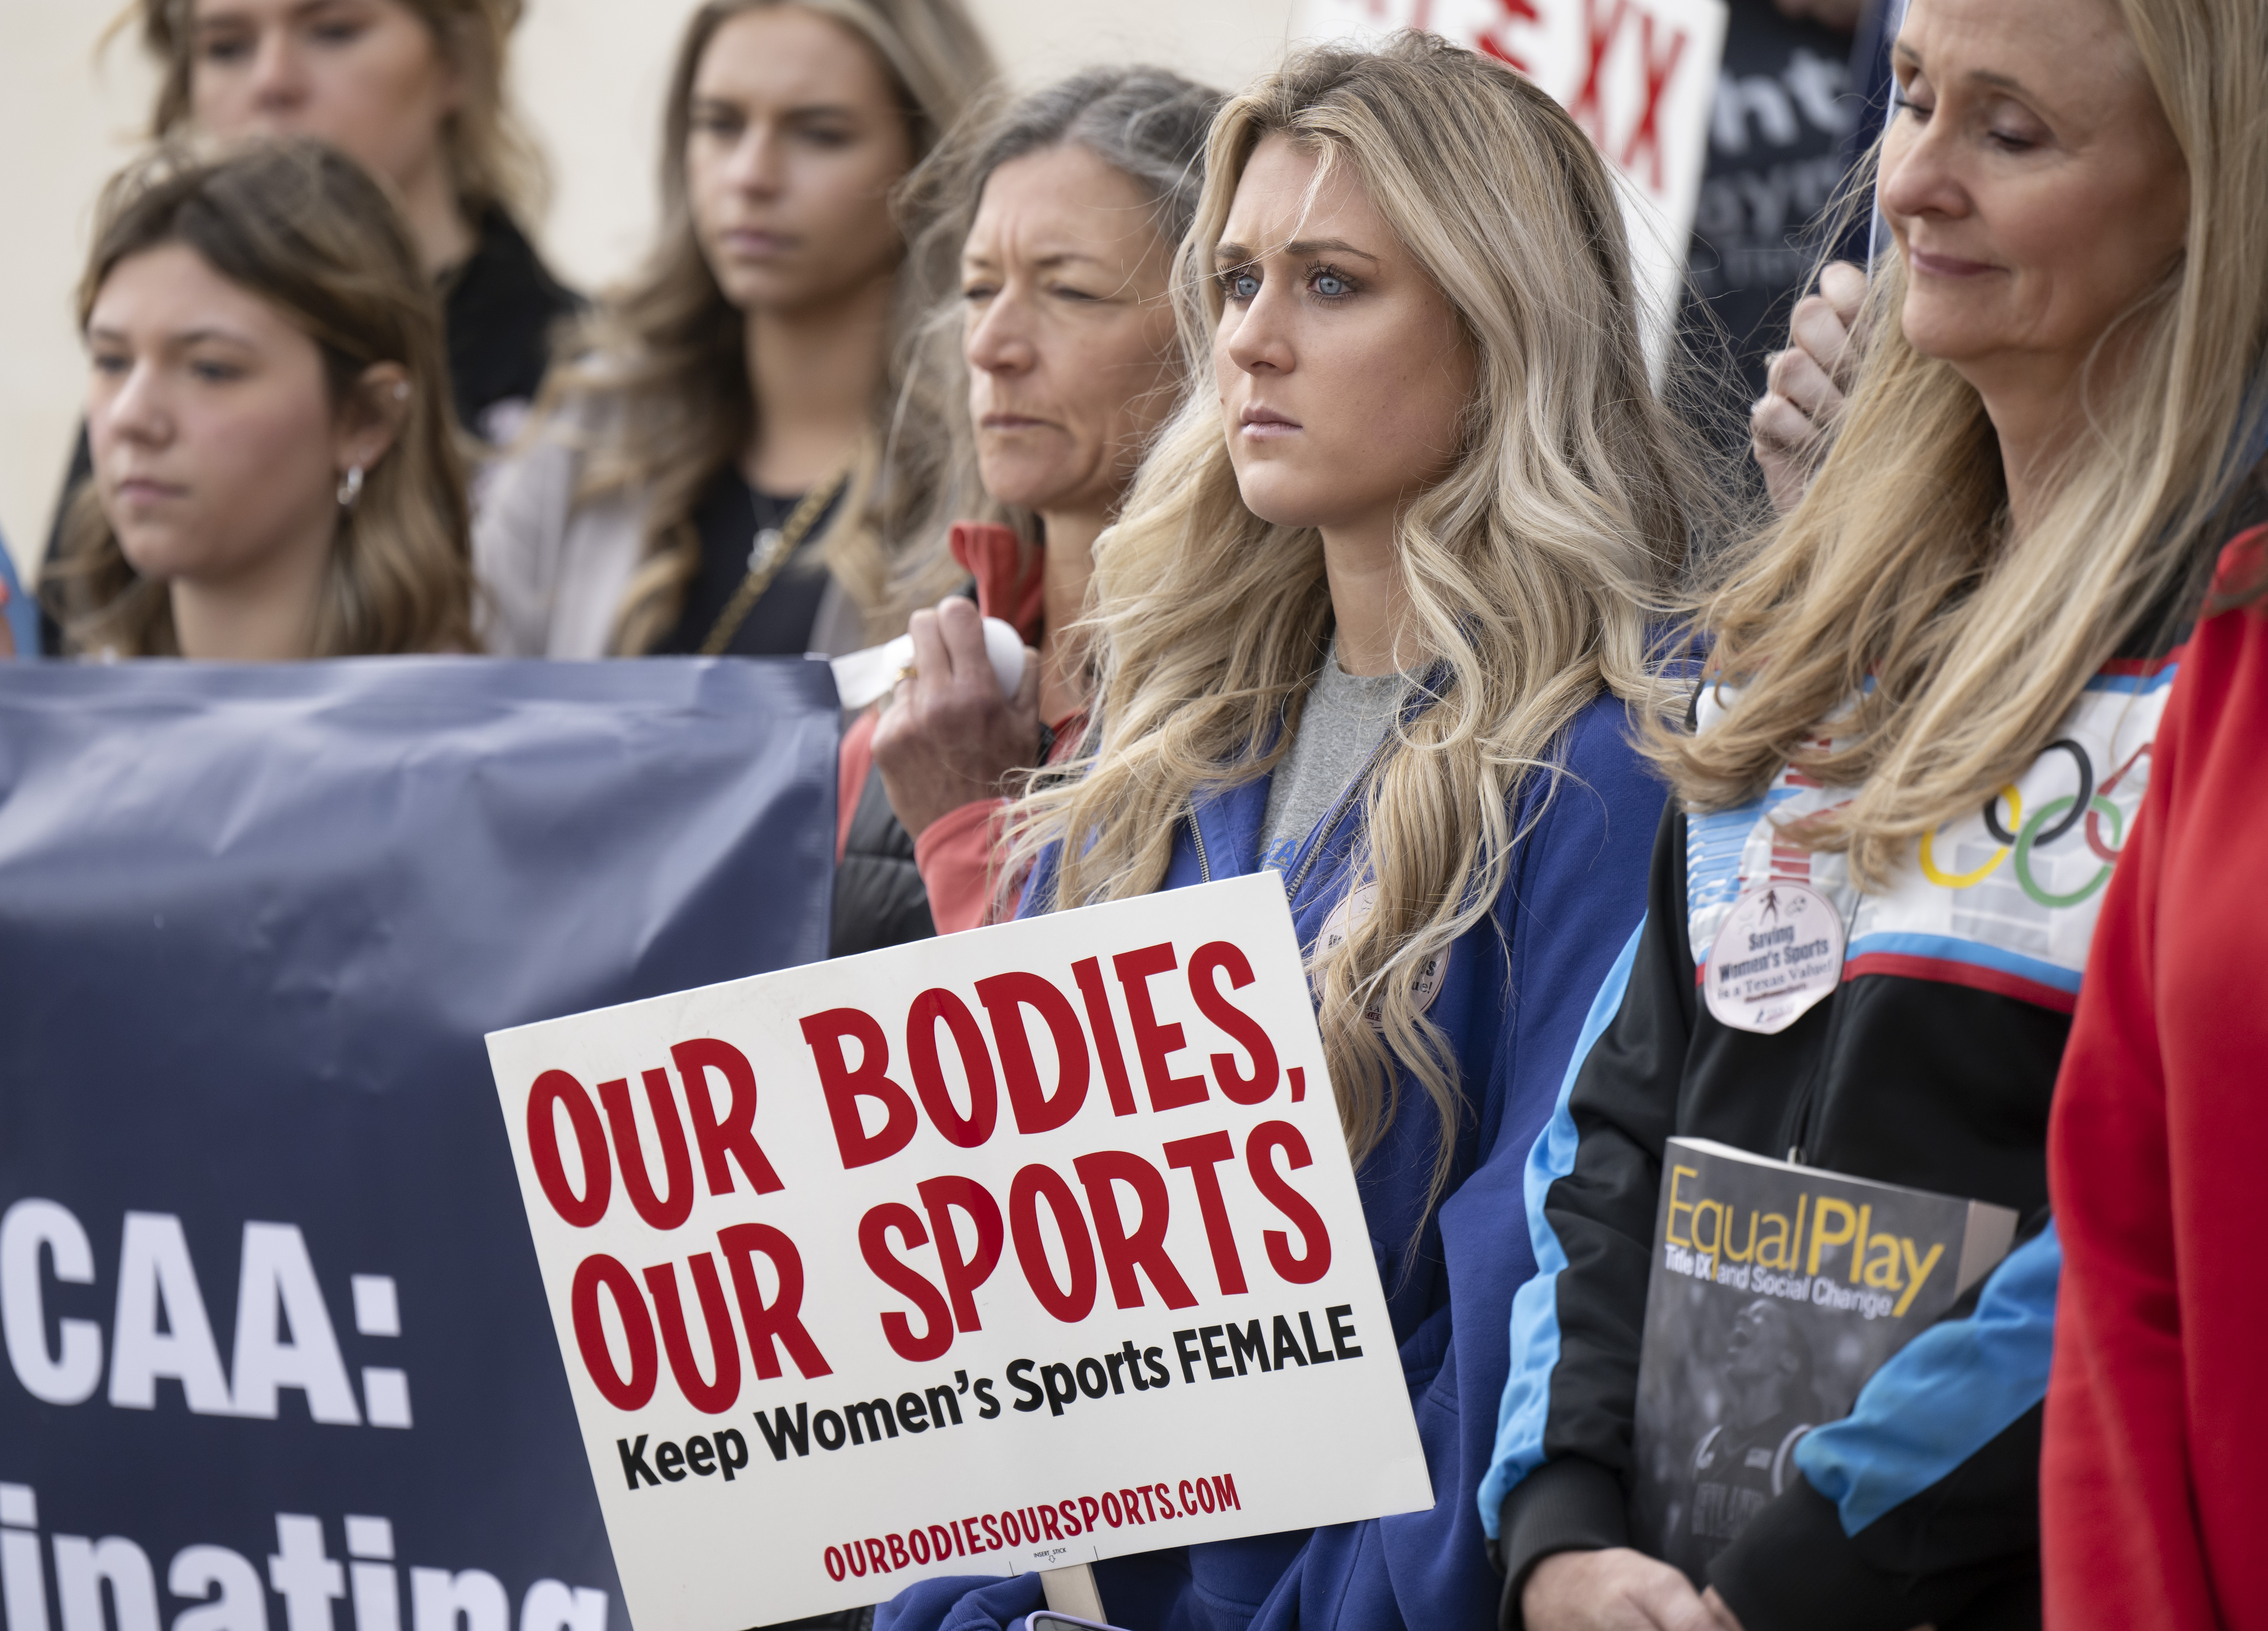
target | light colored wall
x=589, y=75
x=64, y=125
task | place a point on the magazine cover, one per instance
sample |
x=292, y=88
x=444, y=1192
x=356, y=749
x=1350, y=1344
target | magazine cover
x=1777, y=1290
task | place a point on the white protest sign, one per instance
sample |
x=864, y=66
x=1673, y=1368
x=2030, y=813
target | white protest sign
x=1019, y=1249
x=1638, y=76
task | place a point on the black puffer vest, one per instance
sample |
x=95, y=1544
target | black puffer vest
x=879, y=897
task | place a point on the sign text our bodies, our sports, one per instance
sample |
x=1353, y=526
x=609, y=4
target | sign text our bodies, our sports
x=1046, y=1232
x=854, y=1058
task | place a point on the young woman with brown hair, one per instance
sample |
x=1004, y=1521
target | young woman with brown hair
x=727, y=461
x=414, y=91
x=276, y=474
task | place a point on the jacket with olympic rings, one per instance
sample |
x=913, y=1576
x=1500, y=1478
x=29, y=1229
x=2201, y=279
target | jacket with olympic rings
x=1930, y=1064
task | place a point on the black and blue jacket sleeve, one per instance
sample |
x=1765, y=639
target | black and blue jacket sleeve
x=1919, y=1507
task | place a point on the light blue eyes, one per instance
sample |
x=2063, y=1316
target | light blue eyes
x=1244, y=287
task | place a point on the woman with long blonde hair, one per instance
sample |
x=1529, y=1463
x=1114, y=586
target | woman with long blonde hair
x=1375, y=617
x=730, y=459
x=1925, y=732
x=276, y=470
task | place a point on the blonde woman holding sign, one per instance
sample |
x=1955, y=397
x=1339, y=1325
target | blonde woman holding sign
x=1374, y=617
x=1928, y=728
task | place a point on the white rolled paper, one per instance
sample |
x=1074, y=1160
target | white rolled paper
x=866, y=676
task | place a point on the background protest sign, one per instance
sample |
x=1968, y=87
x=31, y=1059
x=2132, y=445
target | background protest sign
x=277, y=1356
x=1638, y=76
x=1028, y=1247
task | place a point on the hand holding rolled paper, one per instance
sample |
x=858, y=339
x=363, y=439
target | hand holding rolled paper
x=866, y=676
x=963, y=720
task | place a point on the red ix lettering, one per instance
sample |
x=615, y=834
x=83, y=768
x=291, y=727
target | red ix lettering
x=1645, y=135
x=1492, y=44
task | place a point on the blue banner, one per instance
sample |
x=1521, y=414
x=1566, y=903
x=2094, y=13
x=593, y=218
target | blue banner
x=277, y=1353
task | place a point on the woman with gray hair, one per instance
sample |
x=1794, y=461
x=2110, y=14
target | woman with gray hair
x=1060, y=216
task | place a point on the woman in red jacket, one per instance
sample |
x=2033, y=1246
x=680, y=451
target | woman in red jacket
x=2157, y=1426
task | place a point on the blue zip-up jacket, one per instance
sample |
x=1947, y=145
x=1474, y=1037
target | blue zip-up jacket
x=1512, y=1001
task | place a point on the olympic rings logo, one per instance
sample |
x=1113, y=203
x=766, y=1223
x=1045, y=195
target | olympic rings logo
x=1969, y=880
x=2051, y=821
x=2096, y=806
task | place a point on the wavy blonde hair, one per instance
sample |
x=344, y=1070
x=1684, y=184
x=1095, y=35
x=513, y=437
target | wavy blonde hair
x=655, y=384
x=1897, y=566
x=302, y=226
x=491, y=158
x=1530, y=568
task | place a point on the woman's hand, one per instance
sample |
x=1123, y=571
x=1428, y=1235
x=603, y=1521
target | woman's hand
x=1617, y=1589
x=1791, y=425
x=948, y=737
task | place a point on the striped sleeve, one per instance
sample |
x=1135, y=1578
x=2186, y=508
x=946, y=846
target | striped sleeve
x=1945, y=1396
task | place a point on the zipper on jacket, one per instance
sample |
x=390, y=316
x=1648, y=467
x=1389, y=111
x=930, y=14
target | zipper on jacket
x=1795, y=1126
x=1205, y=867
x=1333, y=816
x=1798, y=1127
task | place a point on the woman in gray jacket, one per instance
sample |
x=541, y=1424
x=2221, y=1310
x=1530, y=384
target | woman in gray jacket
x=726, y=461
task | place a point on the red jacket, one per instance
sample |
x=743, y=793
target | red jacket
x=954, y=853
x=2154, y=1495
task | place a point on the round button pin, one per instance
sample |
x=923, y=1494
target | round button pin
x=1778, y=954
